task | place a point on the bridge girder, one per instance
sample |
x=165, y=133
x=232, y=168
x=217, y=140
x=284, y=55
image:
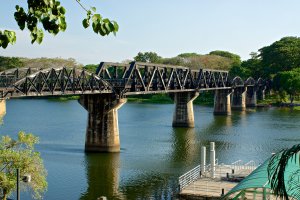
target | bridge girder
x=50, y=82
x=137, y=78
x=120, y=79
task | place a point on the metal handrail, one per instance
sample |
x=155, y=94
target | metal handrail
x=189, y=177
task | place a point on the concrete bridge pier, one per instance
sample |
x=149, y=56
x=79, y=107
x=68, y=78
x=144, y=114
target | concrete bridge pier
x=2, y=109
x=251, y=100
x=222, y=102
x=102, y=134
x=239, y=98
x=184, y=112
x=261, y=93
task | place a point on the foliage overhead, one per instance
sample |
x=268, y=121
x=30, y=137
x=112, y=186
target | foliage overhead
x=20, y=154
x=49, y=15
x=276, y=172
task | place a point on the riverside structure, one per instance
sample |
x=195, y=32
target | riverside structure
x=102, y=93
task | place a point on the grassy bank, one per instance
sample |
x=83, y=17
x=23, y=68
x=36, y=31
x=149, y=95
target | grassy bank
x=206, y=98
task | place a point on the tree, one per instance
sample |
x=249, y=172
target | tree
x=236, y=59
x=20, y=154
x=149, y=57
x=50, y=15
x=277, y=169
x=187, y=55
x=288, y=81
x=10, y=62
x=282, y=55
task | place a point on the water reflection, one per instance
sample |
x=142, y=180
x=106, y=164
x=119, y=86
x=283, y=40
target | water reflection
x=184, y=145
x=150, y=186
x=102, y=171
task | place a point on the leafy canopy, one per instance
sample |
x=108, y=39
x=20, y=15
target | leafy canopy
x=289, y=82
x=282, y=55
x=20, y=154
x=149, y=57
x=49, y=15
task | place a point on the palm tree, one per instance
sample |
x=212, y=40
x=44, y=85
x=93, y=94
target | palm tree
x=277, y=169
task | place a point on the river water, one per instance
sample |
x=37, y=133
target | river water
x=153, y=153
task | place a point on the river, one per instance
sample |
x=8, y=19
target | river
x=153, y=153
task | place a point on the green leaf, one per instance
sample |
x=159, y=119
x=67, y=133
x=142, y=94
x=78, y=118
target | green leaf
x=86, y=23
x=95, y=27
x=96, y=18
x=116, y=26
x=40, y=36
x=93, y=9
x=62, y=10
x=11, y=36
x=102, y=30
x=62, y=24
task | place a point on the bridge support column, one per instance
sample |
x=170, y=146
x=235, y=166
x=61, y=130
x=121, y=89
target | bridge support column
x=222, y=102
x=261, y=93
x=102, y=134
x=184, y=113
x=239, y=98
x=251, y=100
x=2, y=108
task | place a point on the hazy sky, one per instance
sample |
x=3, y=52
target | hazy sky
x=168, y=27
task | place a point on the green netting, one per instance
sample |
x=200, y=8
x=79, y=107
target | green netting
x=259, y=178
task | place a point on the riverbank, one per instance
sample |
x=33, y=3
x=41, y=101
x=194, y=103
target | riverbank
x=206, y=98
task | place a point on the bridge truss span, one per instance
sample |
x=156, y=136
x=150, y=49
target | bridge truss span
x=146, y=78
x=50, y=82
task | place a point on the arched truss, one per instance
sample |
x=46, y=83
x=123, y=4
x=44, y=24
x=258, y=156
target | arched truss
x=237, y=82
x=135, y=78
x=51, y=81
x=260, y=82
x=250, y=82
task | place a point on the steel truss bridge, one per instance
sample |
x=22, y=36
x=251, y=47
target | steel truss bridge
x=116, y=78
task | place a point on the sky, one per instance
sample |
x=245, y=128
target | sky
x=167, y=27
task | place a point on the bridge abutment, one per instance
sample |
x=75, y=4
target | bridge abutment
x=222, y=102
x=102, y=134
x=184, y=112
x=239, y=98
x=251, y=100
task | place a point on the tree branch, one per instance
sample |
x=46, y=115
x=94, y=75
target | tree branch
x=81, y=6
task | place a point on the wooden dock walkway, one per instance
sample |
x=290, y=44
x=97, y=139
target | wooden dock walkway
x=209, y=188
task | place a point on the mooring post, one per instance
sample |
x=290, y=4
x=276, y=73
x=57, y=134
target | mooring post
x=212, y=159
x=222, y=102
x=184, y=113
x=102, y=134
x=203, y=160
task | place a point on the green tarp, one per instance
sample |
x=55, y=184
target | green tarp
x=259, y=178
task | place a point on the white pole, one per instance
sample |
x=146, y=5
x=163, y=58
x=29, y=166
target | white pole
x=203, y=160
x=212, y=159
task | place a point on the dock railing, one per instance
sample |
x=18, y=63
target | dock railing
x=221, y=170
x=189, y=177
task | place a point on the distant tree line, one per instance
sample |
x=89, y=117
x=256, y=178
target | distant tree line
x=278, y=63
